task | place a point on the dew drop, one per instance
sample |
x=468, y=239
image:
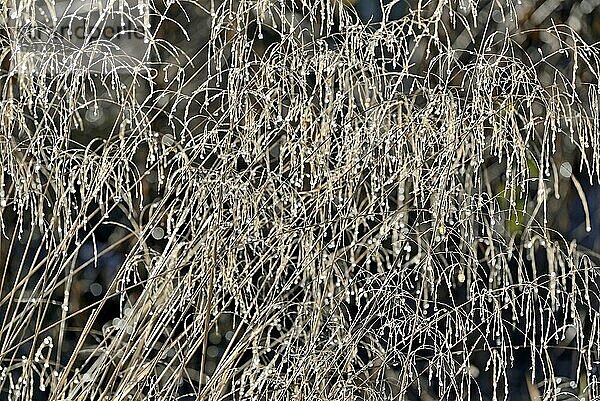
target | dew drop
x=158, y=233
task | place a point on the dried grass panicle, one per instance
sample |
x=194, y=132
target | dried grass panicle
x=365, y=204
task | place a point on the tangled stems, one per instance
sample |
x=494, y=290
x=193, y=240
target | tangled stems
x=364, y=207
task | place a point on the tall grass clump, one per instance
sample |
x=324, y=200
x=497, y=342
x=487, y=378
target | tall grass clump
x=273, y=200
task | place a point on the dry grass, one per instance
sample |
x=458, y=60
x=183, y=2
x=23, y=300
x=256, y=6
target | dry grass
x=365, y=205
